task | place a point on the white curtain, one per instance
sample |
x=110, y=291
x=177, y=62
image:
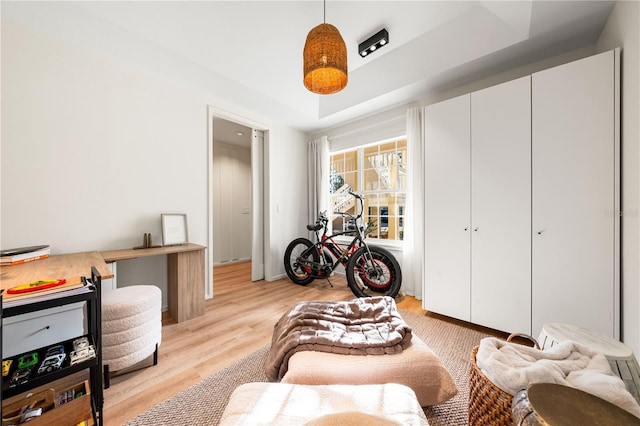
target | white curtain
x=318, y=177
x=413, y=245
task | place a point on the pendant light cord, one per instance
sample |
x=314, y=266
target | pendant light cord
x=324, y=3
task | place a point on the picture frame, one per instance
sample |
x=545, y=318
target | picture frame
x=174, y=229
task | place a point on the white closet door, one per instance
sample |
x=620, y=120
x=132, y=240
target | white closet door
x=447, y=210
x=501, y=206
x=573, y=195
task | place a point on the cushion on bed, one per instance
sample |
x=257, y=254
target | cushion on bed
x=416, y=367
x=287, y=404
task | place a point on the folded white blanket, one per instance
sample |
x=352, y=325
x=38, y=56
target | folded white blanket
x=511, y=367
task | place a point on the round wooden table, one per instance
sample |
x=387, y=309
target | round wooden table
x=549, y=404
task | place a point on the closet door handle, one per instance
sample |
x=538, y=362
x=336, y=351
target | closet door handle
x=541, y=231
x=466, y=228
x=476, y=229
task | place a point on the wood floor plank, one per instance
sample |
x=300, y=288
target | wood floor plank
x=237, y=321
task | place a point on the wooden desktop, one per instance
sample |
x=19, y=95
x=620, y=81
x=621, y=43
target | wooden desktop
x=185, y=276
x=185, y=273
x=68, y=266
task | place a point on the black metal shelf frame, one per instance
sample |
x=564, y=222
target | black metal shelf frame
x=94, y=326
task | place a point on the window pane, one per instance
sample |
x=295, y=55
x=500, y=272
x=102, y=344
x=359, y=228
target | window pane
x=371, y=157
x=381, y=178
x=371, y=182
x=351, y=161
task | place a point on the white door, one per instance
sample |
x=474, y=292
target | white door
x=447, y=210
x=573, y=195
x=257, y=225
x=501, y=206
x=223, y=165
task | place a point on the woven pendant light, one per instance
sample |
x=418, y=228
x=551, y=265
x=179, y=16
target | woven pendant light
x=325, y=60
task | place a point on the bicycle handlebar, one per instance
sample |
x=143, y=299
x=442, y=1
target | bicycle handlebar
x=361, y=198
x=355, y=195
x=324, y=220
x=322, y=216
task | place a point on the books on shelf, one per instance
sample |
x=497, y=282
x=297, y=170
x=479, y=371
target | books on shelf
x=71, y=287
x=24, y=254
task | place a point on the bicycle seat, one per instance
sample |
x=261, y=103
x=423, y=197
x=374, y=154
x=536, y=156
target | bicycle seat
x=314, y=227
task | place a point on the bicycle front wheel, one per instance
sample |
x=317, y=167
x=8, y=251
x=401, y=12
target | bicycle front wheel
x=296, y=253
x=375, y=275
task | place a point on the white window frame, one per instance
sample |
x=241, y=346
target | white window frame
x=360, y=156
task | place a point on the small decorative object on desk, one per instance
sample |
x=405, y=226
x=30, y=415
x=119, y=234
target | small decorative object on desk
x=146, y=242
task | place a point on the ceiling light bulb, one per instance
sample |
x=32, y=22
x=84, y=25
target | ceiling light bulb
x=373, y=47
x=239, y=133
x=383, y=42
x=364, y=53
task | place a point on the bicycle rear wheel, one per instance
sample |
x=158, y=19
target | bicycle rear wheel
x=299, y=250
x=378, y=275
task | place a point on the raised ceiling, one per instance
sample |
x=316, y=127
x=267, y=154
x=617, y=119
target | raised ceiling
x=251, y=52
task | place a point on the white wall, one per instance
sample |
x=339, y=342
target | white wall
x=622, y=31
x=94, y=150
x=99, y=139
x=231, y=203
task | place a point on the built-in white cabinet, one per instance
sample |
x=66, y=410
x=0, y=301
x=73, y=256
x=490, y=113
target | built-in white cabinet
x=521, y=201
x=575, y=195
x=501, y=206
x=448, y=208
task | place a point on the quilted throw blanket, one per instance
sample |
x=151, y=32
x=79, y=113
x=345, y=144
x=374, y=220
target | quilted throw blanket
x=512, y=367
x=364, y=326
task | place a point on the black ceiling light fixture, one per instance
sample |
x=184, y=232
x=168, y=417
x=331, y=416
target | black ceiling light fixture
x=373, y=43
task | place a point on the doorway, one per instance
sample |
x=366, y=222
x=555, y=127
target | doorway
x=236, y=193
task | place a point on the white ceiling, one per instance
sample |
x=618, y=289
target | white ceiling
x=255, y=48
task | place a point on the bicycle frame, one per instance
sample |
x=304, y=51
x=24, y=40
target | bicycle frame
x=326, y=243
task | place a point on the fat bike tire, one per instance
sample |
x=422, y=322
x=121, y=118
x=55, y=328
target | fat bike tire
x=298, y=273
x=365, y=280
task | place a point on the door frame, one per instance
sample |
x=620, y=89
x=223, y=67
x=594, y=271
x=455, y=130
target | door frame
x=257, y=193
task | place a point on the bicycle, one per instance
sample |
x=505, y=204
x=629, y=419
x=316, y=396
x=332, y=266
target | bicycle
x=370, y=270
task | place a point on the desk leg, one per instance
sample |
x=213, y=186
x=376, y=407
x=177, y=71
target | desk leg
x=185, y=283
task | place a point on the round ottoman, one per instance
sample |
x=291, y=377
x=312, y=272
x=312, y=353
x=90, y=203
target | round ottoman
x=131, y=326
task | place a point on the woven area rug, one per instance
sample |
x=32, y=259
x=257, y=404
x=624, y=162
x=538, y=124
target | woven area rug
x=203, y=403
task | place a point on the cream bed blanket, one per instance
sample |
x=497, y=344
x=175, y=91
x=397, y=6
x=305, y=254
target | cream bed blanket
x=511, y=367
x=364, y=326
x=283, y=404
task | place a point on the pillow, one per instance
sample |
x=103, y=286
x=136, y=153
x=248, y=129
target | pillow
x=416, y=367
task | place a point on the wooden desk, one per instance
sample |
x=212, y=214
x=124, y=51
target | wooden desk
x=69, y=266
x=185, y=276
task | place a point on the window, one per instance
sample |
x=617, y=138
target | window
x=379, y=172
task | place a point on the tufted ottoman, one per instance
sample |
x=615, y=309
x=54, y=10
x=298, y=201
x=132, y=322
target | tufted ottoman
x=417, y=367
x=131, y=326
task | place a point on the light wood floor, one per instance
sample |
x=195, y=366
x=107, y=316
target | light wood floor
x=238, y=320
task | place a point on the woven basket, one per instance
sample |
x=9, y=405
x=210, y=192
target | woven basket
x=488, y=404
